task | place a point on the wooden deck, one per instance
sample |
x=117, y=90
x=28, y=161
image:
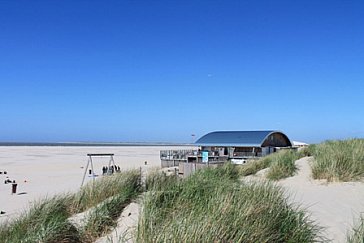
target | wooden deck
x=170, y=158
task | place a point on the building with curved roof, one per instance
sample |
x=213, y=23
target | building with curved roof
x=220, y=146
x=243, y=144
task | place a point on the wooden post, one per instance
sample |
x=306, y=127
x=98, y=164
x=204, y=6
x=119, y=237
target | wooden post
x=92, y=168
x=84, y=175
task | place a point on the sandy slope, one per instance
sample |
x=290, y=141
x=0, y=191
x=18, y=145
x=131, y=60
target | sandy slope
x=51, y=170
x=126, y=226
x=334, y=206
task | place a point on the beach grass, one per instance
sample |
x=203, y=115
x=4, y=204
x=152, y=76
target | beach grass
x=357, y=234
x=253, y=166
x=307, y=151
x=341, y=160
x=45, y=221
x=157, y=180
x=48, y=220
x=103, y=217
x=213, y=206
x=96, y=192
x=282, y=165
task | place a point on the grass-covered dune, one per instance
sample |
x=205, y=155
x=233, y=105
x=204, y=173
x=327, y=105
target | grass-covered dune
x=357, y=235
x=281, y=165
x=339, y=160
x=212, y=205
x=48, y=220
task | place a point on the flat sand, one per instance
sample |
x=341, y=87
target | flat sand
x=43, y=171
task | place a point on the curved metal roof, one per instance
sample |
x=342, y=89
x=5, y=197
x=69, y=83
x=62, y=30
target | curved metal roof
x=236, y=138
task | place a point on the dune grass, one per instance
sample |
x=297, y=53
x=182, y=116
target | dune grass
x=103, y=217
x=357, y=235
x=47, y=220
x=307, y=151
x=339, y=160
x=281, y=165
x=253, y=166
x=157, y=180
x=213, y=206
x=96, y=192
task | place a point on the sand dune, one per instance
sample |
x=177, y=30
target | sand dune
x=46, y=171
x=335, y=206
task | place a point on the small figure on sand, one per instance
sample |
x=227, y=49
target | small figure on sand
x=13, y=187
x=7, y=181
x=104, y=170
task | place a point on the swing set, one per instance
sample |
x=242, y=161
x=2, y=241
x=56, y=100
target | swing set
x=91, y=165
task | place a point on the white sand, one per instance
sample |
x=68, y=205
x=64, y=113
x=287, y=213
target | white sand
x=51, y=170
x=335, y=206
x=126, y=226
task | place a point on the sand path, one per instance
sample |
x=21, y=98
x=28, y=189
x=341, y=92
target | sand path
x=126, y=226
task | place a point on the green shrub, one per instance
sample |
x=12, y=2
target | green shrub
x=339, y=160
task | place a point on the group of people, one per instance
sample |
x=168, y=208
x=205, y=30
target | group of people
x=7, y=180
x=110, y=169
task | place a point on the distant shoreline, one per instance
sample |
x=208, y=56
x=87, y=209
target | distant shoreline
x=96, y=144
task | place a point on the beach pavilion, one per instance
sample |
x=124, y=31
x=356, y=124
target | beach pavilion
x=243, y=144
x=221, y=146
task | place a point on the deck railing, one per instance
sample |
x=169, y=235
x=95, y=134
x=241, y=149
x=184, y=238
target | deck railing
x=247, y=154
x=213, y=155
x=177, y=154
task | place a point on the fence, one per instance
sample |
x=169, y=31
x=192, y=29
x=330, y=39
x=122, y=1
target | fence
x=187, y=169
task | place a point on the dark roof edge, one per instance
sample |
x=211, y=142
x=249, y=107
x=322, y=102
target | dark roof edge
x=276, y=131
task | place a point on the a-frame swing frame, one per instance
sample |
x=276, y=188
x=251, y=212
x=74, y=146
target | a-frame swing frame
x=90, y=164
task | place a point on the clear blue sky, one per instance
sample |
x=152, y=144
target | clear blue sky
x=162, y=70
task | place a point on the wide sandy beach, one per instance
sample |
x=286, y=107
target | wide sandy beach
x=43, y=171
